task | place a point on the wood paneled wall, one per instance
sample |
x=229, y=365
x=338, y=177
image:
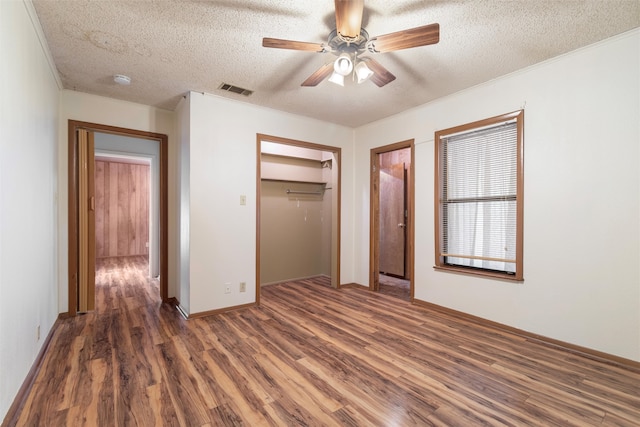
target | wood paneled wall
x=122, y=209
x=387, y=160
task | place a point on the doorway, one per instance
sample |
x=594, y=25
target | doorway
x=82, y=267
x=298, y=211
x=391, y=220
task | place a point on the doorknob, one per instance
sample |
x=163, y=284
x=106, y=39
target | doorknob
x=401, y=225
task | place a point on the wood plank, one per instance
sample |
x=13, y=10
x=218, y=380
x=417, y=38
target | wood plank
x=239, y=401
x=132, y=212
x=100, y=212
x=313, y=355
x=114, y=209
x=123, y=209
x=161, y=407
x=143, y=221
x=106, y=209
x=190, y=406
x=92, y=414
x=132, y=220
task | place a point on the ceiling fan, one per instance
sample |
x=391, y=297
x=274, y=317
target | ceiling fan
x=349, y=40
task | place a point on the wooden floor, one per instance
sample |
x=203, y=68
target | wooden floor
x=394, y=287
x=310, y=355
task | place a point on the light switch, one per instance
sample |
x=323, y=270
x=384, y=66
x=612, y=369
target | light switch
x=243, y=199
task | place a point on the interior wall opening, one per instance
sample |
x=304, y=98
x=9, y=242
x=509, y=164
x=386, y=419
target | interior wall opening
x=130, y=183
x=392, y=189
x=126, y=200
x=126, y=217
x=298, y=211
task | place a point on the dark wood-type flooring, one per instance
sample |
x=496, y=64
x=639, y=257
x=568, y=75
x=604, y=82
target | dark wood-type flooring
x=310, y=355
x=394, y=287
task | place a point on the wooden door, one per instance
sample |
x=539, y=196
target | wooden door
x=392, y=220
x=86, y=222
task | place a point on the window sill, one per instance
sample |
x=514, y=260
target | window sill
x=480, y=273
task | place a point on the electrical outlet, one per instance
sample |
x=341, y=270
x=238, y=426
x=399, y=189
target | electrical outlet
x=227, y=288
x=243, y=287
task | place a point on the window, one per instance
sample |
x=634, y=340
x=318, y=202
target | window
x=479, y=197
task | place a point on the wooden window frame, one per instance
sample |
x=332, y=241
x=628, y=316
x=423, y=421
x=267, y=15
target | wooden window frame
x=518, y=116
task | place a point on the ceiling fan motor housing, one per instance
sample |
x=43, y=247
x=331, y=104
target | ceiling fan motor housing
x=339, y=45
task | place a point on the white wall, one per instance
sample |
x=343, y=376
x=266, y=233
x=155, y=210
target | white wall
x=28, y=237
x=112, y=112
x=582, y=197
x=182, y=125
x=222, y=166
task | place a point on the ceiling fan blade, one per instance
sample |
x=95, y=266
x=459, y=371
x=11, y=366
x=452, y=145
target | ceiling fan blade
x=381, y=76
x=414, y=37
x=319, y=75
x=290, y=44
x=349, y=18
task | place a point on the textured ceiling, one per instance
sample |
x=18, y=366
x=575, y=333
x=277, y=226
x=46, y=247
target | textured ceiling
x=171, y=47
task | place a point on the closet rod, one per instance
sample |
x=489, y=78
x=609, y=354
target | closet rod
x=315, y=193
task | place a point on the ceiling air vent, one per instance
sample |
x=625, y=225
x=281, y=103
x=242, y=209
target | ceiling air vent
x=235, y=89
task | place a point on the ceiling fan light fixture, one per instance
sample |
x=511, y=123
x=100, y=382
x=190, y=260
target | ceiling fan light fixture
x=121, y=79
x=337, y=78
x=349, y=39
x=362, y=72
x=343, y=65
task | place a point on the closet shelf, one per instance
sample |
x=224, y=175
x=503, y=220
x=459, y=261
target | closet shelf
x=294, y=181
x=302, y=157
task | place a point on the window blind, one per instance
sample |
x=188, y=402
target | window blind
x=478, y=198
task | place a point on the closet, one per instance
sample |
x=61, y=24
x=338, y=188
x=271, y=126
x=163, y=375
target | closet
x=298, y=213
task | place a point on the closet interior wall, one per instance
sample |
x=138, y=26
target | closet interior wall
x=295, y=217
